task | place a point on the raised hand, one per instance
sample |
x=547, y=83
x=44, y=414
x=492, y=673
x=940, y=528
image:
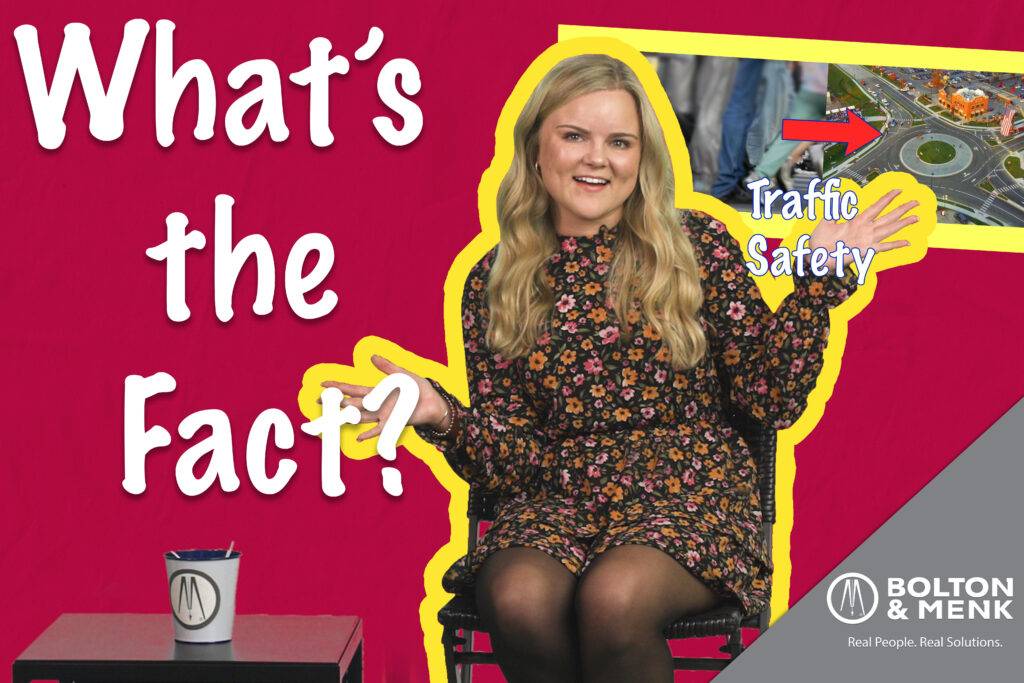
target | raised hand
x=867, y=230
x=431, y=409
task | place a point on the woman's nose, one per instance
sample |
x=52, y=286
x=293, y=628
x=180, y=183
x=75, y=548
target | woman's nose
x=594, y=154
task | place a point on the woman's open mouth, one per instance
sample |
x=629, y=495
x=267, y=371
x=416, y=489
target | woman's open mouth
x=591, y=183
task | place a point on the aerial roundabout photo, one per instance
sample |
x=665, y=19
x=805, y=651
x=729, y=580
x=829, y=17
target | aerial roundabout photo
x=961, y=133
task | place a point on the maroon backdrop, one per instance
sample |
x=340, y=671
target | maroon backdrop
x=929, y=365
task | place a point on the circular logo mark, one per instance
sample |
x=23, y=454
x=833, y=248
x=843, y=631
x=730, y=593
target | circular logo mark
x=847, y=601
x=195, y=598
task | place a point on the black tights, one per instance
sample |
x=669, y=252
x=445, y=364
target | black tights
x=546, y=625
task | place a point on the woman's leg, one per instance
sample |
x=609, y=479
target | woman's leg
x=525, y=598
x=624, y=601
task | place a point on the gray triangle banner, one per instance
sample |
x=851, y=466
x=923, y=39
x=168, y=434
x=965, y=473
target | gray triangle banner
x=930, y=596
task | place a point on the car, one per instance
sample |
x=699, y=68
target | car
x=961, y=218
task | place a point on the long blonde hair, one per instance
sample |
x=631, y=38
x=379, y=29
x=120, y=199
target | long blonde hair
x=654, y=266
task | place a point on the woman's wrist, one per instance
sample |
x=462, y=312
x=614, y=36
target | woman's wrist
x=443, y=425
x=444, y=422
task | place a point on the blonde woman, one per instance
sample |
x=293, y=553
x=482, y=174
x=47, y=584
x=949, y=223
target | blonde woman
x=593, y=335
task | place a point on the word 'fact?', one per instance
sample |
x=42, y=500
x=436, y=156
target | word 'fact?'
x=140, y=440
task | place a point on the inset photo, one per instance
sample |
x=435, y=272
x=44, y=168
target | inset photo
x=731, y=112
x=961, y=133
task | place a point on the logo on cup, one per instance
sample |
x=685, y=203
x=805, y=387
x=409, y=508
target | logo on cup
x=849, y=605
x=195, y=598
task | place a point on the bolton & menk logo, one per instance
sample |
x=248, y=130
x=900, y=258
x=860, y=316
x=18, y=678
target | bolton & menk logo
x=852, y=598
x=195, y=598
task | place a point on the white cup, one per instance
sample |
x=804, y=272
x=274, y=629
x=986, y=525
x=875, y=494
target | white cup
x=202, y=590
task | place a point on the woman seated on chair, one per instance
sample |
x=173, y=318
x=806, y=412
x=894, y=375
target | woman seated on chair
x=594, y=333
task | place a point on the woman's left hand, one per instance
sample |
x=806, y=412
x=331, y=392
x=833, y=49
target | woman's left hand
x=431, y=408
x=867, y=230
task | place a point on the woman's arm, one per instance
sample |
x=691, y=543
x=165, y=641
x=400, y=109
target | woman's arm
x=498, y=442
x=771, y=358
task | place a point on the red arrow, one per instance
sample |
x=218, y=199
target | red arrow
x=855, y=132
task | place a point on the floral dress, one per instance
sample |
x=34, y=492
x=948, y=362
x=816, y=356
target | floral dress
x=592, y=440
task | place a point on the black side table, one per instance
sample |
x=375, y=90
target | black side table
x=118, y=648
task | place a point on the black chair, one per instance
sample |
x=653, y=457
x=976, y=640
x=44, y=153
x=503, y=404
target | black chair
x=460, y=620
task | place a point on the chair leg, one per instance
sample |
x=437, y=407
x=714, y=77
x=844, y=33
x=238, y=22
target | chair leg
x=448, y=643
x=467, y=670
x=734, y=644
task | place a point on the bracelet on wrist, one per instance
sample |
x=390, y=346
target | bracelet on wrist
x=449, y=414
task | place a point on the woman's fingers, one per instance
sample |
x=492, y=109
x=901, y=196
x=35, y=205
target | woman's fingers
x=897, y=213
x=889, y=246
x=386, y=366
x=872, y=211
x=371, y=432
x=884, y=230
x=347, y=389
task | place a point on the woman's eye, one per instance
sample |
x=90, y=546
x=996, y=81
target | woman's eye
x=572, y=137
x=621, y=144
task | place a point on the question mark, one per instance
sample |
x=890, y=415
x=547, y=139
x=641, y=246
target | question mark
x=408, y=397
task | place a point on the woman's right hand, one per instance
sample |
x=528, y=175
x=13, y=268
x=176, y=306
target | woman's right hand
x=431, y=410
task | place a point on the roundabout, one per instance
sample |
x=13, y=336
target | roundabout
x=936, y=155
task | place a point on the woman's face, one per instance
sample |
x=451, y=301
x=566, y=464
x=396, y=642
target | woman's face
x=589, y=158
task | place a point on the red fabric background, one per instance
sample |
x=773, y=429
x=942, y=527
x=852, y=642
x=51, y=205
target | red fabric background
x=929, y=365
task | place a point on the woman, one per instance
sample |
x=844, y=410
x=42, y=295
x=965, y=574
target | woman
x=593, y=333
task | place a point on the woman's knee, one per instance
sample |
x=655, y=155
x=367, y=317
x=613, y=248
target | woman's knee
x=610, y=611
x=522, y=591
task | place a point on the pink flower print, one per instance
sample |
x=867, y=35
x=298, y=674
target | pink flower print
x=628, y=393
x=689, y=477
x=661, y=375
x=468, y=319
x=565, y=303
x=720, y=252
x=601, y=458
x=609, y=335
x=569, y=244
x=797, y=365
x=647, y=412
x=737, y=310
x=570, y=326
x=484, y=386
x=593, y=365
x=593, y=471
x=690, y=410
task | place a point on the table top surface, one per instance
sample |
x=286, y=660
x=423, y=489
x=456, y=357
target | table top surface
x=150, y=638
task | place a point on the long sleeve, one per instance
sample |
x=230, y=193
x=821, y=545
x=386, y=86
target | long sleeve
x=498, y=442
x=772, y=359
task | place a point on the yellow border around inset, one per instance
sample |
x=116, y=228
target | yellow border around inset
x=453, y=375
x=946, y=236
